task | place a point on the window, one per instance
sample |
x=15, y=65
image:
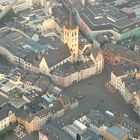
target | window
x=125, y=30
x=72, y=34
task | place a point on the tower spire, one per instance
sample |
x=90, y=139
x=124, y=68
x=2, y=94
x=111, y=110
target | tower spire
x=71, y=36
x=70, y=20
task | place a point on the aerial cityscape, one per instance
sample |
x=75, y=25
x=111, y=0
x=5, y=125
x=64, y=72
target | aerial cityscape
x=69, y=69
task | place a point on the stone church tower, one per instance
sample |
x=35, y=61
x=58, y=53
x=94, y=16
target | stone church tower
x=71, y=38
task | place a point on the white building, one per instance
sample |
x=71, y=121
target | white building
x=118, y=78
x=22, y=5
x=25, y=4
x=7, y=116
x=127, y=83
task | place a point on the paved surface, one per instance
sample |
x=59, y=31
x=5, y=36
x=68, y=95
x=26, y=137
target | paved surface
x=97, y=96
x=27, y=137
x=20, y=134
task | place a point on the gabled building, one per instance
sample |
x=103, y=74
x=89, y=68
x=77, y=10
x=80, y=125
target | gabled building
x=127, y=82
x=66, y=52
x=132, y=86
x=33, y=119
x=29, y=121
x=7, y=116
x=65, y=62
x=120, y=72
x=57, y=57
x=90, y=62
x=115, y=133
x=62, y=104
x=51, y=132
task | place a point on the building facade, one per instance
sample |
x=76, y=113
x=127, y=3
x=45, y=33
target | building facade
x=71, y=36
x=7, y=117
x=94, y=20
x=90, y=65
x=128, y=86
x=115, y=133
x=30, y=122
x=25, y=4
x=22, y=5
x=42, y=136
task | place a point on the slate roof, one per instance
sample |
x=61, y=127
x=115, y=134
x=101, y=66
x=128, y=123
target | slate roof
x=95, y=51
x=117, y=132
x=89, y=13
x=35, y=105
x=49, y=130
x=57, y=106
x=57, y=55
x=132, y=84
x=66, y=99
x=5, y=110
x=26, y=115
x=121, y=70
x=31, y=57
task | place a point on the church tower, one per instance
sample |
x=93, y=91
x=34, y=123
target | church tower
x=71, y=38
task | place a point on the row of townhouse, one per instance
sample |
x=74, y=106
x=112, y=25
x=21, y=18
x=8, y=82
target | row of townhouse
x=127, y=82
x=35, y=121
x=92, y=63
x=21, y=51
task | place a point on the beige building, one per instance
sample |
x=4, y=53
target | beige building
x=136, y=103
x=62, y=54
x=118, y=78
x=22, y=5
x=7, y=116
x=57, y=57
x=34, y=122
x=25, y=4
x=31, y=123
x=43, y=136
x=50, y=24
x=52, y=132
x=71, y=38
x=115, y=133
x=91, y=62
x=87, y=61
x=127, y=83
x=67, y=52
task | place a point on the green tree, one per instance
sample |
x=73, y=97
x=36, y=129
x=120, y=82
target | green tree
x=9, y=131
x=2, y=135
